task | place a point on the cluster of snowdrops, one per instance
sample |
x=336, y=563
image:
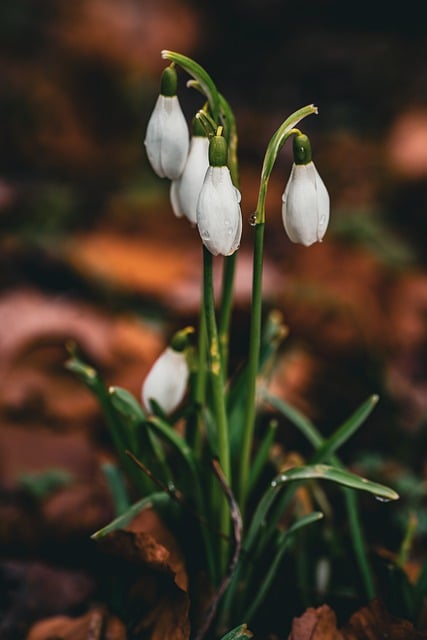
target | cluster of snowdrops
x=197, y=449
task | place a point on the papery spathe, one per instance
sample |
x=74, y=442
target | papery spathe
x=305, y=209
x=166, y=381
x=186, y=189
x=167, y=138
x=219, y=218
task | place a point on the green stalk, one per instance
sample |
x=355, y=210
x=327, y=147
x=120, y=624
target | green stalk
x=198, y=389
x=226, y=307
x=218, y=397
x=254, y=348
x=277, y=141
x=230, y=129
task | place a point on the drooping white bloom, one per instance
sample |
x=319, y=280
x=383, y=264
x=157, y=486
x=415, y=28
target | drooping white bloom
x=166, y=382
x=167, y=138
x=219, y=217
x=305, y=208
x=185, y=190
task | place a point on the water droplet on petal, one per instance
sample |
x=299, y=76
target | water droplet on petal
x=229, y=232
x=205, y=235
x=253, y=220
x=322, y=221
x=227, y=222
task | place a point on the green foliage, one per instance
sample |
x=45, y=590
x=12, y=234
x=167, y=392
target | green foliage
x=246, y=510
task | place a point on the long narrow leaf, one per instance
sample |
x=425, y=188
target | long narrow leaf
x=305, y=426
x=156, y=500
x=239, y=632
x=343, y=433
x=282, y=545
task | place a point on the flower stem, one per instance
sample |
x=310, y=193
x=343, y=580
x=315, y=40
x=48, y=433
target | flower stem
x=254, y=347
x=226, y=307
x=198, y=388
x=216, y=377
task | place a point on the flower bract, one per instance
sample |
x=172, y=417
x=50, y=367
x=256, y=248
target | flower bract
x=167, y=138
x=219, y=218
x=305, y=208
x=185, y=190
x=166, y=381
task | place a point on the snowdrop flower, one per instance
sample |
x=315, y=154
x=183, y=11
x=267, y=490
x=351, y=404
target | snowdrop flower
x=305, y=208
x=167, y=135
x=185, y=190
x=166, y=381
x=219, y=218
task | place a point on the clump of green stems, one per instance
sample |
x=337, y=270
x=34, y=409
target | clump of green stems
x=217, y=478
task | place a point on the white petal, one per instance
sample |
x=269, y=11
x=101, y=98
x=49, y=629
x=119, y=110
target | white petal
x=305, y=209
x=174, y=198
x=323, y=207
x=166, y=381
x=219, y=218
x=167, y=138
x=185, y=193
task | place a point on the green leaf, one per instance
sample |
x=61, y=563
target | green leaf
x=262, y=454
x=282, y=545
x=303, y=424
x=339, y=476
x=239, y=632
x=155, y=500
x=44, y=483
x=127, y=405
x=343, y=433
x=117, y=487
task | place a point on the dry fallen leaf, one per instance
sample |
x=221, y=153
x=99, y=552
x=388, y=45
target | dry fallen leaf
x=373, y=622
x=148, y=564
x=95, y=625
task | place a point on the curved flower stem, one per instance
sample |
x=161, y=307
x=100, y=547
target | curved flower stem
x=229, y=122
x=216, y=377
x=274, y=146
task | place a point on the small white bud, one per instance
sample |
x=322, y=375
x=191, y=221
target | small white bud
x=166, y=382
x=219, y=218
x=167, y=138
x=186, y=189
x=305, y=209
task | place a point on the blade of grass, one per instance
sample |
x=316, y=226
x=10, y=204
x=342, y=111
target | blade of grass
x=283, y=543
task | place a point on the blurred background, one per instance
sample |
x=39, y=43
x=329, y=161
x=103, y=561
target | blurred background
x=90, y=250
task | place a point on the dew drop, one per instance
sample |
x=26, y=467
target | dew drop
x=252, y=220
x=227, y=222
x=322, y=221
x=229, y=232
x=273, y=483
x=382, y=499
x=205, y=235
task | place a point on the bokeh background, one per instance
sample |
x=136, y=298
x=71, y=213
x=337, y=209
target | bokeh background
x=91, y=252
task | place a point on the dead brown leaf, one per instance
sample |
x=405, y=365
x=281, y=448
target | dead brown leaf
x=147, y=560
x=373, y=622
x=316, y=624
x=95, y=625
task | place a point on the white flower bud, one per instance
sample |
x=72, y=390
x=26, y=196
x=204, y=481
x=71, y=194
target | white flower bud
x=167, y=138
x=219, y=218
x=166, y=381
x=305, y=209
x=185, y=190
